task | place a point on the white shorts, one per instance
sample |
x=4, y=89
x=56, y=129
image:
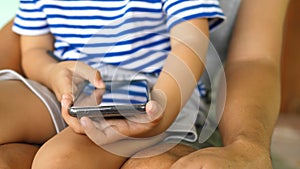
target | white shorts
x=43, y=93
x=182, y=129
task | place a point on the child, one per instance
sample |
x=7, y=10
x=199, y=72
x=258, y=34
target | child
x=145, y=37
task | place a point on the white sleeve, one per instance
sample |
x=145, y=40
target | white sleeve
x=30, y=19
x=181, y=10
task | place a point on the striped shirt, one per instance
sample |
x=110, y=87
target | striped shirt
x=132, y=34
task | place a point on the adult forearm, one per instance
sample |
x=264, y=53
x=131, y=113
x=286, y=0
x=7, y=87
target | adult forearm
x=253, y=73
x=252, y=104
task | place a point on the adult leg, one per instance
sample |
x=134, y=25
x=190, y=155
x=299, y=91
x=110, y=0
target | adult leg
x=290, y=102
x=24, y=120
x=71, y=150
x=10, y=55
x=161, y=161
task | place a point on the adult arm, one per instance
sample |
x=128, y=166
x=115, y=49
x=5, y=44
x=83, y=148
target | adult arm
x=253, y=91
x=253, y=74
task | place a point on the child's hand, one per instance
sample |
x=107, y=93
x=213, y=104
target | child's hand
x=64, y=78
x=108, y=131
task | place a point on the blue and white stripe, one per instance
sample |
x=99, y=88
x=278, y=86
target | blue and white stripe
x=135, y=93
x=132, y=34
x=121, y=92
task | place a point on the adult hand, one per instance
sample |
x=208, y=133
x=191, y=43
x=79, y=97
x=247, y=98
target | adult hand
x=237, y=155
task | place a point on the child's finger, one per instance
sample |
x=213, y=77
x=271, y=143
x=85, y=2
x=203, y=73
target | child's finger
x=102, y=134
x=97, y=95
x=154, y=111
x=63, y=84
x=130, y=127
x=153, y=115
x=87, y=72
x=73, y=122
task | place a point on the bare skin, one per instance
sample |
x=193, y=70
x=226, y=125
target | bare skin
x=245, y=139
x=69, y=150
x=55, y=151
x=12, y=154
x=10, y=55
x=162, y=161
x=17, y=141
x=251, y=108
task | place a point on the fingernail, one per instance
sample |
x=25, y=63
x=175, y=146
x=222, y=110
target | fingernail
x=101, y=84
x=153, y=108
x=66, y=96
x=83, y=122
x=65, y=103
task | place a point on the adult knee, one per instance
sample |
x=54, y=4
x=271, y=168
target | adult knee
x=149, y=159
x=160, y=161
x=157, y=162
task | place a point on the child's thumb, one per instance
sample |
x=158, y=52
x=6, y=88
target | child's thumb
x=154, y=111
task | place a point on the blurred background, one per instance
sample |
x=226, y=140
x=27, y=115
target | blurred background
x=7, y=10
x=286, y=138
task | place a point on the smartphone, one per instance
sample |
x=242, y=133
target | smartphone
x=118, y=100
